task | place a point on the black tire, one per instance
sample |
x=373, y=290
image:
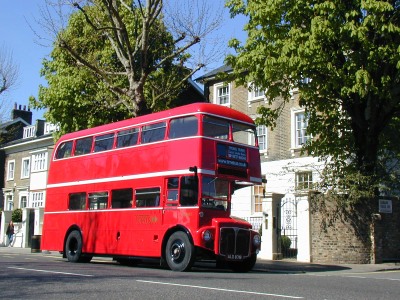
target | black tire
x=73, y=248
x=179, y=252
x=244, y=266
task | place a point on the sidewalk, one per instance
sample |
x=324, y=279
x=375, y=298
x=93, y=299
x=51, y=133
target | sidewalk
x=292, y=266
x=272, y=266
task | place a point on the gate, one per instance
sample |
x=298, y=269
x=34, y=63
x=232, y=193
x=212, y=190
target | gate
x=287, y=228
x=31, y=226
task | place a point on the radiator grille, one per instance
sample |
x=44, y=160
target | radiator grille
x=234, y=241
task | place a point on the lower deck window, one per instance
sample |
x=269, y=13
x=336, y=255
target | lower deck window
x=148, y=197
x=98, y=200
x=121, y=198
x=77, y=201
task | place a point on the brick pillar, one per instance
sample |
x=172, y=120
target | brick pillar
x=376, y=239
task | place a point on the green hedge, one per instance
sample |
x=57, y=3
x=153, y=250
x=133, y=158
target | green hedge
x=17, y=215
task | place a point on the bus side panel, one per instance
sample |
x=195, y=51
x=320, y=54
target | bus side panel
x=134, y=232
x=254, y=163
x=181, y=154
x=208, y=154
x=52, y=237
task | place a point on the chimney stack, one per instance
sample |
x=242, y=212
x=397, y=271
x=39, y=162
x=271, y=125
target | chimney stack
x=24, y=114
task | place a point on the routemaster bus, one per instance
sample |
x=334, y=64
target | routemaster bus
x=155, y=186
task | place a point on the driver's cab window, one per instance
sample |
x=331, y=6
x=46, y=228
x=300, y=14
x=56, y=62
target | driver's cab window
x=182, y=191
x=214, y=193
x=189, y=191
x=172, y=191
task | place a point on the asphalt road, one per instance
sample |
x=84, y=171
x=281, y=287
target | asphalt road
x=48, y=276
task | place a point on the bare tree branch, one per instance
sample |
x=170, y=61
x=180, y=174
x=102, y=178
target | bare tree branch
x=189, y=25
x=9, y=71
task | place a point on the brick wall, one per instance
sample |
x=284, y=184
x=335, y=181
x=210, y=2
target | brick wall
x=279, y=139
x=386, y=234
x=351, y=236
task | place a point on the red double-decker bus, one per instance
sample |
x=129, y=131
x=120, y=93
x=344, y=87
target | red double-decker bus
x=155, y=186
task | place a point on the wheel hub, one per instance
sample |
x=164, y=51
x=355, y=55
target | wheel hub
x=177, y=251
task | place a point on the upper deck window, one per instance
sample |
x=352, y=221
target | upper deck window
x=243, y=134
x=64, y=150
x=153, y=133
x=217, y=128
x=127, y=138
x=83, y=146
x=103, y=142
x=183, y=127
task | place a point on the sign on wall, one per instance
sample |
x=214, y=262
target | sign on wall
x=385, y=206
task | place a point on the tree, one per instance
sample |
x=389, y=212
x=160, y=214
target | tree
x=118, y=58
x=8, y=70
x=344, y=58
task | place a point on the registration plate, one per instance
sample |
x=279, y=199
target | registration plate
x=235, y=256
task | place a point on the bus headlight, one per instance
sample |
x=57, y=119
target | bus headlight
x=207, y=235
x=257, y=240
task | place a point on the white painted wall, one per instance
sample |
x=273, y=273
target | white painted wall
x=280, y=174
x=241, y=202
x=38, y=180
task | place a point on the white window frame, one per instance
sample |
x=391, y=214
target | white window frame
x=217, y=97
x=11, y=169
x=255, y=93
x=37, y=199
x=25, y=167
x=264, y=134
x=39, y=161
x=29, y=131
x=9, y=202
x=306, y=185
x=21, y=195
x=259, y=196
x=50, y=127
x=295, y=113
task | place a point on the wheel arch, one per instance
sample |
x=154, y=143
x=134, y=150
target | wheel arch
x=169, y=232
x=70, y=229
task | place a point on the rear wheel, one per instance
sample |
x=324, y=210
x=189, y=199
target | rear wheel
x=179, y=252
x=73, y=248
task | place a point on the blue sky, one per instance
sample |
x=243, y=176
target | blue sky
x=17, y=37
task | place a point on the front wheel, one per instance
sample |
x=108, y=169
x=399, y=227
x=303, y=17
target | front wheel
x=179, y=252
x=73, y=248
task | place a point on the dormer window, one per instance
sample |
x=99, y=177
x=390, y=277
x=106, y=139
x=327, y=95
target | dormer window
x=29, y=131
x=49, y=128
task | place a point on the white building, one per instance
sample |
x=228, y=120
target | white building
x=26, y=162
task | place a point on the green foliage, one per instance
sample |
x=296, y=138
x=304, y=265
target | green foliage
x=17, y=215
x=285, y=242
x=350, y=51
